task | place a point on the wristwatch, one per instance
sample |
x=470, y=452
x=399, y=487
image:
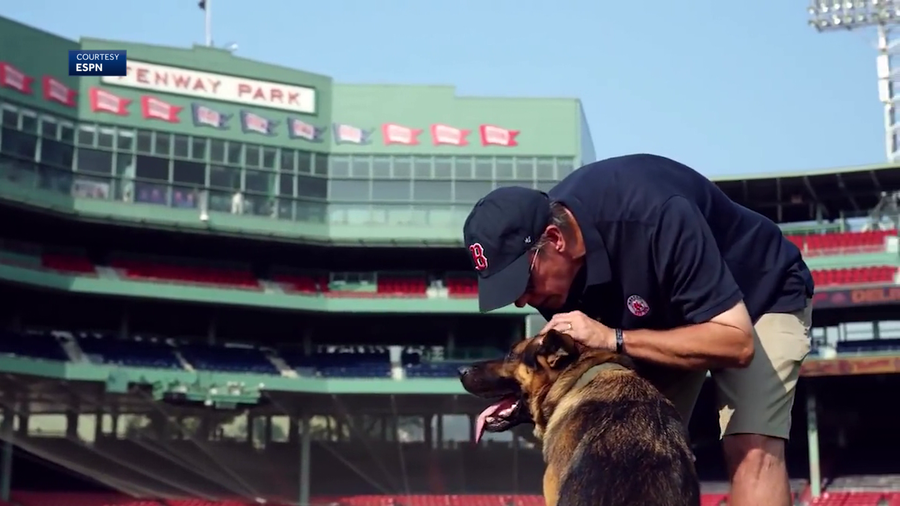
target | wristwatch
x=620, y=341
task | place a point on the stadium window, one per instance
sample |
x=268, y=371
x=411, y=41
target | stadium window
x=287, y=160
x=484, y=167
x=505, y=169
x=381, y=167
x=198, y=148
x=106, y=137
x=152, y=167
x=320, y=164
x=507, y=184
x=462, y=167
x=269, y=156
x=546, y=169
x=340, y=167
x=29, y=122
x=235, y=153
x=470, y=191
x=216, y=151
x=443, y=167
x=86, y=135
x=19, y=144
x=304, y=162
x=144, y=141
x=67, y=132
x=258, y=181
x=49, y=127
x=361, y=166
x=286, y=185
x=525, y=169
x=252, y=156
x=432, y=191
x=390, y=191
x=181, y=148
x=348, y=190
x=57, y=154
x=163, y=145
x=312, y=187
x=10, y=117
x=125, y=140
x=422, y=167
x=189, y=173
x=544, y=186
x=228, y=178
x=125, y=164
x=312, y=212
x=402, y=168
x=564, y=167
x=92, y=161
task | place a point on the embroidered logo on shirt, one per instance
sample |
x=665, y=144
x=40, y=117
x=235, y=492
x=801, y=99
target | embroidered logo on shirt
x=637, y=305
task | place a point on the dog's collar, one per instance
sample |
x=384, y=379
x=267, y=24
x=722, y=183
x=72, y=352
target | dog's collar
x=594, y=371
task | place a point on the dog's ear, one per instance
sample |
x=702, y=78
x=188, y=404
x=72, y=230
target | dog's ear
x=559, y=349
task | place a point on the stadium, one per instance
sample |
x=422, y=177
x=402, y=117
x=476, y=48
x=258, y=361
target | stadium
x=229, y=282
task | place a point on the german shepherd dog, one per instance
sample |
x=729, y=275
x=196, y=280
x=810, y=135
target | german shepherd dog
x=609, y=436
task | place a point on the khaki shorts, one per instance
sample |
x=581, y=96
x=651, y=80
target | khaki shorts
x=757, y=399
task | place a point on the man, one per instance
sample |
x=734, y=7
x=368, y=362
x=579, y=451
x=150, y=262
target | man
x=643, y=255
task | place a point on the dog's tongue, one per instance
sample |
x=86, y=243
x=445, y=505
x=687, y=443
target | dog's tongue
x=491, y=410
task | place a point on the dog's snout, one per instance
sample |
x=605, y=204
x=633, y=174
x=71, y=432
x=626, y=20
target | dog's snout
x=463, y=370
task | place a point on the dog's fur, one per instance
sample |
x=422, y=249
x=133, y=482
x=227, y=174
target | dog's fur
x=609, y=439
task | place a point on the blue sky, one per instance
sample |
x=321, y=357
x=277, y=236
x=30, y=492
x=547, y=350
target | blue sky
x=727, y=87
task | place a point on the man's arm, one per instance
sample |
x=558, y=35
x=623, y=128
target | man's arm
x=724, y=341
x=699, y=284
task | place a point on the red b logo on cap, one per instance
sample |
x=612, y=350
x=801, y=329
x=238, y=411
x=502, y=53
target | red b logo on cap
x=478, y=257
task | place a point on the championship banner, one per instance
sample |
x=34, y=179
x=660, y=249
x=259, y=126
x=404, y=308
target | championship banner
x=855, y=297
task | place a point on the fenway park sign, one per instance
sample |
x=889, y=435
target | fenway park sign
x=206, y=85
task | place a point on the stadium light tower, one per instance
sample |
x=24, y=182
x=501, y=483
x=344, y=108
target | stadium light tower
x=884, y=15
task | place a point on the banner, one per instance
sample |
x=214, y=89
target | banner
x=854, y=297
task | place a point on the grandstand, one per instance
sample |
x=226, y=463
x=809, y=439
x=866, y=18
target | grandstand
x=197, y=313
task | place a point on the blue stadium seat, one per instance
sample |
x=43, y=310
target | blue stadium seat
x=32, y=345
x=227, y=359
x=131, y=353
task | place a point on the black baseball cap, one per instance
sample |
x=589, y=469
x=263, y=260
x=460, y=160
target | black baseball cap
x=499, y=232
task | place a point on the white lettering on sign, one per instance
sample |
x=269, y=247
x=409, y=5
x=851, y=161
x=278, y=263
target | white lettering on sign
x=194, y=83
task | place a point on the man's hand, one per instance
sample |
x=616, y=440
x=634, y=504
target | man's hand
x=583, y=329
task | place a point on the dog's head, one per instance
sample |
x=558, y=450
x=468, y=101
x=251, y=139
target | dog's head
x=519, y=383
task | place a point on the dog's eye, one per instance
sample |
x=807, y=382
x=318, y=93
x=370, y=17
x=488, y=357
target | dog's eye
x=510, y=357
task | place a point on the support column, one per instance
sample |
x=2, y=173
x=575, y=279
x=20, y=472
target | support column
x=6, y=460
x=812, y=433
x=305, y=443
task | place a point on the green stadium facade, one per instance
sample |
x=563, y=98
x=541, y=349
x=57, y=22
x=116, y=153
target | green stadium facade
x=206, y=198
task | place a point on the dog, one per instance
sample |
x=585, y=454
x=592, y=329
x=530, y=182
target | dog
x=609, y=436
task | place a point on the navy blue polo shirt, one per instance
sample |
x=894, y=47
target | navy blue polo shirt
x=666, y=247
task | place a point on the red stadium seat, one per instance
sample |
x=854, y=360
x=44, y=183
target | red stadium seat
x=854, y=276
x=175, y=273
x=842, y=243
x=68, y=263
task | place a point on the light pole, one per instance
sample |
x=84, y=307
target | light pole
x=884, y=15
x=206, y=6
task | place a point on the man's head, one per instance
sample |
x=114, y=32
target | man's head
x=525, y=249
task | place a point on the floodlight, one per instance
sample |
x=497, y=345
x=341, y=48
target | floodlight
x=884, y=15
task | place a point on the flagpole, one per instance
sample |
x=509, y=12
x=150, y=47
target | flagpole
x=208, y=21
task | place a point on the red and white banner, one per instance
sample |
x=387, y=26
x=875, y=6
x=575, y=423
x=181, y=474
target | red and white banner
x=154, y=108
x=56, y=91
x=11, y=77
x=448, y=135
x=104, y=101
x=497, y=136
x=399, y=134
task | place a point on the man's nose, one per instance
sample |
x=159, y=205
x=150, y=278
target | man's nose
x=463, y=370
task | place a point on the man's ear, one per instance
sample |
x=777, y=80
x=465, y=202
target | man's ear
x=559, y=349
